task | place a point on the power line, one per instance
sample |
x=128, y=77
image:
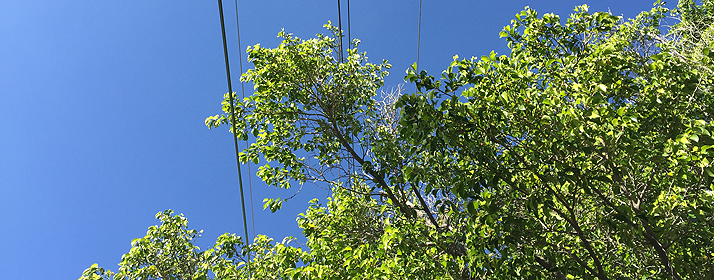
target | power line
x=339, y=25
x=339, y=34
x=233, y=125
x=351, y=162
x=349, y=35
x=242, y=89
x=418, y=39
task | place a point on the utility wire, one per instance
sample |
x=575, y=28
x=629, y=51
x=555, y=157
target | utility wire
x=349, y=35
x=351, y=163
x=339, y=25
x=341, y=57
x=233, y=126
x=418, y=39
x=242, y=95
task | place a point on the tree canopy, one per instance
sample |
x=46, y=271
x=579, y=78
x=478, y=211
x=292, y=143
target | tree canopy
x=584, y=153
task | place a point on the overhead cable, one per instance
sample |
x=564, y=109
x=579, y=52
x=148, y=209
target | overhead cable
x=233, y=127
x=418, y=39
x=339, y=25
x=242, y=90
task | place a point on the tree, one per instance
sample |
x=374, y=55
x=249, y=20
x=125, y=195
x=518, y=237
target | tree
x=351, y=237
x=166, y=252
x=317, y=119
x=583, y=153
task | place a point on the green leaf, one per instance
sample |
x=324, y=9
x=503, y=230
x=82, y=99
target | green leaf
x=621, y=111
x=472, y=207
x=602, y=87
x=694, y=138
x=545, y=120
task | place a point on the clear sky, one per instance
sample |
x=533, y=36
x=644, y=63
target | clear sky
x=102, y=108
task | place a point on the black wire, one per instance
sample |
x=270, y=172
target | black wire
x=349, y=35
x=242, y=89
x=418, y=39
x=351, y=163
x=339, y=25
x=235, y=131
x=341, y=57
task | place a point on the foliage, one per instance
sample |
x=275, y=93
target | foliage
x=691, y=39
x=166, y=252
x=585, y=153
x=355, y=237
x=317, y=119
x=310, y=111
x=352, y=237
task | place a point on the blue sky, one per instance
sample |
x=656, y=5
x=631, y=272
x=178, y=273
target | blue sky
x=102, y=108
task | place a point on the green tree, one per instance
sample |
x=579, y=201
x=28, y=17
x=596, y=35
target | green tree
x=352, y=237
x=166, y=252
x=318, y=118
x=584, y=153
